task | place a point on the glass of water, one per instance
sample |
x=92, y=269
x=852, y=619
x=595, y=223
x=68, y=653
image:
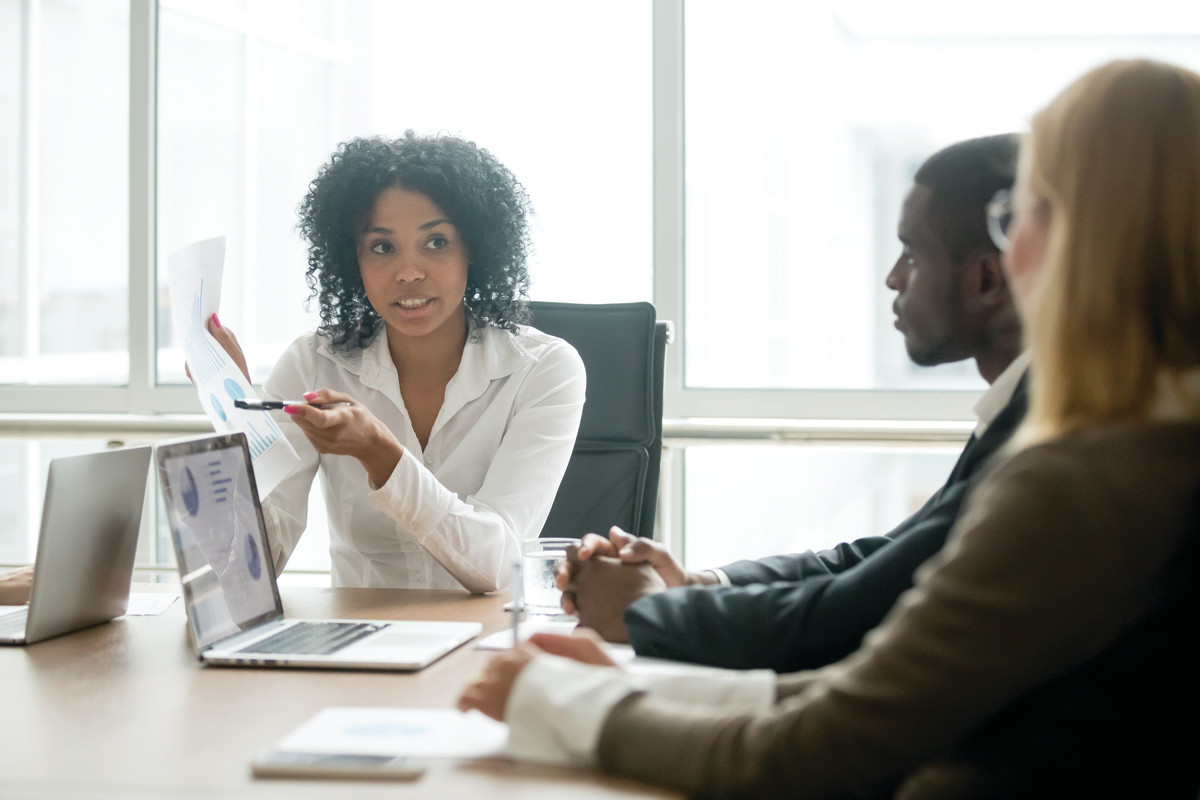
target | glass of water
x=541, y=559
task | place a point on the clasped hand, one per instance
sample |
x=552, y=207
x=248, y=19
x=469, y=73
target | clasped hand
x=603, y=576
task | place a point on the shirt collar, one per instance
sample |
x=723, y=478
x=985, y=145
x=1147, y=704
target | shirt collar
x=490, y=354
x=371, y=363
x=999, y=393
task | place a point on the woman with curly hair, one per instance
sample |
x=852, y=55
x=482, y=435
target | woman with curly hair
x=441, y=425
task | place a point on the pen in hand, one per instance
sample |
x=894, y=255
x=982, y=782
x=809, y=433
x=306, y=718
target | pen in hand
x=276, y=405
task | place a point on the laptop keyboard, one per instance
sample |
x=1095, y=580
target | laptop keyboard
x=313, y=638
x=14, y=623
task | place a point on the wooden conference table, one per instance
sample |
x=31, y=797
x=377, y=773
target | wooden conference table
x=123, y=710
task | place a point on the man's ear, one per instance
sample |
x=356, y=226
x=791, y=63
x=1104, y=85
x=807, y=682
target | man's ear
x=986, y=285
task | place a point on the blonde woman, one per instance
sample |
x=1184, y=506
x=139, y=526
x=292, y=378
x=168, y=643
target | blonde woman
x=1048, y=650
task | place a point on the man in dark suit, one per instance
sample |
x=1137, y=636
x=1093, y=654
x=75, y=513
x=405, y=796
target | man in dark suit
x=793, y=612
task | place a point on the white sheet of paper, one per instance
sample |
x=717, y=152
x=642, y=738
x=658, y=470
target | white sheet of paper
x=424, y=733
x=502, y=640
x=194, y=282
x=510, y=605
x=149, y=604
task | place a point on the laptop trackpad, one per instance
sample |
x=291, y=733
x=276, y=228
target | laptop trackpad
x=405, y=641
x=412, y=642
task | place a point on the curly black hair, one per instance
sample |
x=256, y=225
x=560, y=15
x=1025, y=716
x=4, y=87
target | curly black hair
x=478, y=194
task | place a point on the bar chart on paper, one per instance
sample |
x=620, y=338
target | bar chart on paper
x=205, y=357
x=258, y=440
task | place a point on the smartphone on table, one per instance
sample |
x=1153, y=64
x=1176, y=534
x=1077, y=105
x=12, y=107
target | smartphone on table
x=336, y=766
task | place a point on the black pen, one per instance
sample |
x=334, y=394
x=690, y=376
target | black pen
x=276, y=405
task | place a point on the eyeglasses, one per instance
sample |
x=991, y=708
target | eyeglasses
x=999, y=218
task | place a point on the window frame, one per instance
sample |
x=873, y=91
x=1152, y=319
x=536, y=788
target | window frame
x=143, y=396
x=693, y=415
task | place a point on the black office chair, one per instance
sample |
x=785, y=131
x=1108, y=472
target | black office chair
x=612, y=478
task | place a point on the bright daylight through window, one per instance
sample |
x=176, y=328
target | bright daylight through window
x=796, y=128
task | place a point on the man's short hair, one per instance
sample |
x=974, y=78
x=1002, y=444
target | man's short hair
x=963, y=177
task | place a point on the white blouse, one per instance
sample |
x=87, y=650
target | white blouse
x=453, y=514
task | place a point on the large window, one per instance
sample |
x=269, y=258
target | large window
x=253, y=99
x=804, y=124
x=742, y=165
x=64, y=169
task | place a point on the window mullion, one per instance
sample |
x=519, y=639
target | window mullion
x=28, y=202
x=143, y=72
x=250, y=164
x=668, y=185
x=668, y=264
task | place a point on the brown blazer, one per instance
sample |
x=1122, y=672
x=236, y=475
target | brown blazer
x=1046, y=651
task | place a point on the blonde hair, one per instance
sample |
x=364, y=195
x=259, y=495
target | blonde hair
x=1116, y=159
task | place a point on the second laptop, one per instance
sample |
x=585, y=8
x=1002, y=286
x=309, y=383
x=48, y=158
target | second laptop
x=233, y=606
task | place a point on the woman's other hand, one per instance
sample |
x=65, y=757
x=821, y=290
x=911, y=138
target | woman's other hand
x=14, y=586
x=348, y=428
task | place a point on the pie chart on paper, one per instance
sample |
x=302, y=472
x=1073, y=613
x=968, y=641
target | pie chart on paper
x=253, y=562
x=189, y=493
x=217, y=408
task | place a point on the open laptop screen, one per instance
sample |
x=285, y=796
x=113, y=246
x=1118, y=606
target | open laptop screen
x=224, y=562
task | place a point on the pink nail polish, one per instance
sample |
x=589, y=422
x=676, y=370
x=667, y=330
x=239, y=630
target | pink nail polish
x=310, y=396
x=289, y=409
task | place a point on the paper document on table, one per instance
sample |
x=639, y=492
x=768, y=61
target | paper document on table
x=149, y=604
x=420, y=733
x=194, y=282
x=502, y=640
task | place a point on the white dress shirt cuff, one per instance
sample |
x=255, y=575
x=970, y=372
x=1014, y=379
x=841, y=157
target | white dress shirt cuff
x=722, y=578
x=558, y=707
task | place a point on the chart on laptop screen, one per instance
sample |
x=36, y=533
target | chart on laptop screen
x=224, y=571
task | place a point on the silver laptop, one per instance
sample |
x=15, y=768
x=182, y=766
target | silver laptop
x=90, y=522
x=233, y=608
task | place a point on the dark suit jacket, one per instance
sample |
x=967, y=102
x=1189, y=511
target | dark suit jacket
x=795, y=612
